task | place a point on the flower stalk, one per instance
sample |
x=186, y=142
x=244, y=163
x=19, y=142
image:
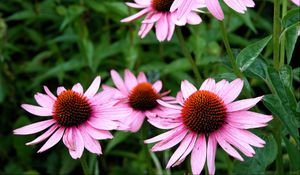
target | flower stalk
x=84, y=165
x=276, y=33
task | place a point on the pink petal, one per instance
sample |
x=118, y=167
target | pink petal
x=119, y=83
x=187, y=89
x=92, y=90
x=208, y=85
x=234, y=89
x=142, y=77
x=133, y=5
x=60, y=89
x=211, y=154
x=161, y=28
x=152, y=18
x=193, y=18
x=245, y=117
x=187, y=151
x=43, y=136
x=176, y=4
x=250, y=3
x=78, y=88
x=137, y=15
x=198, y=155
x=163, y=135
x=44, y=100
x=221, y=88
x=89, y=143
x=214, y=7
x=179, y=98
x=171, y=141
x=235, y=5
x=36, y=110
x=137, y=122
x=161, y=124
x=130, y=80
x=78, y=144
x=243, y=104
x=185, y=8
x=98, y=134
x=296, y=2
x=180, y=150
x=227, y=147
x=68, y=139
x=157, y=85
x=117, y=112
x=49, y=93
x=169, y=105
x=34, y=128
x=53, y=140
x=171, y=27
x=102, y=124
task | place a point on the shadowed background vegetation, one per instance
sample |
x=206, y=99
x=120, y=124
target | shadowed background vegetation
x=62, y=42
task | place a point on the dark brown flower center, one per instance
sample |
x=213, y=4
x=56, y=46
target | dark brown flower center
x=143, y=97
x=71, y=109
x=162, y=5
x=203, y=112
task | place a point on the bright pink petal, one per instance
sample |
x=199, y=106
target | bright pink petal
x=98, y=134
x=163, y=124
x=78, y=144
x=78, y=88
x=68, y=138
x=34, y=128
x=235, y=5
x=103, y=124
x=163, y=135
x=193, y=18
x=142, y=77
x=171, y=28
x=137, y=122
x=248, y=117
x=60, y=89
x=211, y=154
x=214, y=7
x=43, y=136
x=49, y=93
x=137, y=15
x=235, y=88
x=89, y=143
x=53, y=140
x=36, y=110
x=180, y=150
x=227, y=147
x=92, y=90
x=169, y=105
x=243, y=104
x=198, y=155
x=221, y=88
x=119, y=83
x=187, y=89
x=161, y=28
x=44, y=100
x=157, y=85
x=296, y=2
x=187, y=151
x=208, y=85
x=130, y=80
x=171, y=141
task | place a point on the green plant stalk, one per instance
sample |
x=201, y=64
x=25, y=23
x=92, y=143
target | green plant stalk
x=277, y=136
x=187, y=54
x=276, y=33
x=84, y=165
x=282, y=44
x=236, y=70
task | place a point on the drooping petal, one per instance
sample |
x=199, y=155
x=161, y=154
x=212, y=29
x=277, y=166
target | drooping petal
x=187, y=151
x=44, y=100
x=37, y=110
x=78, y=144
x=211, y=154
x=92, y=90
x=34, y=128
x=89, y=143
x=137, y=123
x=169, y=105
x=98, y=134
x=162, y=136
x=198, y=156
x=53, y=140
x=49, y=93
x=103, y=124
x=214, y=7
x=161, y=28
x=43, y=136
x=137, y=15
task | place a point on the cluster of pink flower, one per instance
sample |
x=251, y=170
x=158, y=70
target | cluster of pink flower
x=198, y=119
x=168, y=13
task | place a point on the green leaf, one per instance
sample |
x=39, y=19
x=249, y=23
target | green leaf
x=274, y=104
x=248, y=55
x=258, y=69
x=293, y=153
x=291, y=37
x=119, y=137
x=291, y=17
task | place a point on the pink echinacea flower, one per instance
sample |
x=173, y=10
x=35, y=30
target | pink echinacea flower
x=158, y=11
x=213, y=6
x=138, y=95
x=78, y=118
x=206, y=117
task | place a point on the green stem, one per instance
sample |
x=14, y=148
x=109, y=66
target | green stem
x=276, y=33
x=187, y=54
x=236, y=70
x=84, y=165
x=282, y=44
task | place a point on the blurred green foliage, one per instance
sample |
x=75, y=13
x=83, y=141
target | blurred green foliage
x=61, y=42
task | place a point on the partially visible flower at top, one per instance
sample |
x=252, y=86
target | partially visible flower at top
x=79, y=118
x=158, y=11
x=138, y=95
x=185, y=6
x=206, y=117
x=296, y=2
